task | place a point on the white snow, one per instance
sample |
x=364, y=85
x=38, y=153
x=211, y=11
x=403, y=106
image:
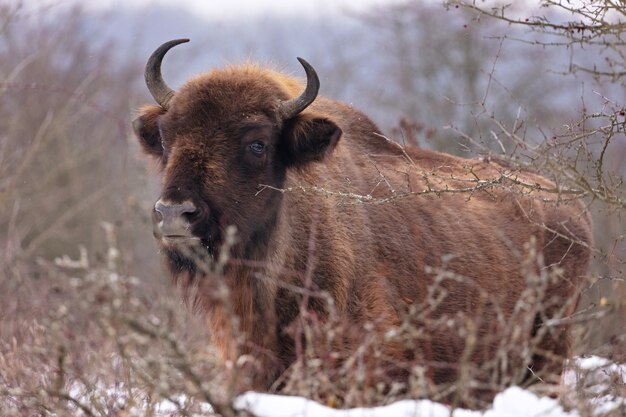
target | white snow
x=596, y=383
x=514, y=402
x=594, y=376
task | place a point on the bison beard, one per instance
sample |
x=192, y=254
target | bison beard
x=473, y=256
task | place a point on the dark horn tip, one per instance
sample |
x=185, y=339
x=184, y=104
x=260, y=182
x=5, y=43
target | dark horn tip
x=179, y=41
x=161, y=50
x=310, y=71
x=291, y=108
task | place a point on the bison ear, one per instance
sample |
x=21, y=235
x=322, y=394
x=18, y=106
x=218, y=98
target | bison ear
x=146, y=129
x=307, y=138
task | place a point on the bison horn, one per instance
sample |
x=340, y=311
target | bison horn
x=291, y=108
x=157, y=87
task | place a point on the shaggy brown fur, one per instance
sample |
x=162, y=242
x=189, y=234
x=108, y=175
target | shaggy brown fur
x=379, y=260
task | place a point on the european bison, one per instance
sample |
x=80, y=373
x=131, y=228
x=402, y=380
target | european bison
x=464, y=250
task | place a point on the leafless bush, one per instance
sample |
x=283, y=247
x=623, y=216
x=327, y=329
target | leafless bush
x=59, y=132
x=67, y=291
x=587, y=150
x=101, y=345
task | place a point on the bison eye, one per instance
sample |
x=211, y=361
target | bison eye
x=257, y=147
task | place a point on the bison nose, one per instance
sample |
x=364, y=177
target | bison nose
x=172, y=211
x=171, y=220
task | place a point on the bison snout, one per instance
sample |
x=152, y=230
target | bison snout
x=172, y=220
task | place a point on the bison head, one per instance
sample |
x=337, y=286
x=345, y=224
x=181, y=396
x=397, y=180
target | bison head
x=218, y=140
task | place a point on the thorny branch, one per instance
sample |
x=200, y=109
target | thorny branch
x=480, y=184
x=589, y=24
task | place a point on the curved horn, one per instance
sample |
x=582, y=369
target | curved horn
x=291, y=108
x=157, y=87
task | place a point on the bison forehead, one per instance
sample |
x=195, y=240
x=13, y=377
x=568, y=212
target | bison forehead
x=233, y=94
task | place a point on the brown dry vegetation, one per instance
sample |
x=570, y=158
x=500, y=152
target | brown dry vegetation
x=89, y=322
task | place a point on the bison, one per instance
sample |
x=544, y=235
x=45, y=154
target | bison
x=278, y=204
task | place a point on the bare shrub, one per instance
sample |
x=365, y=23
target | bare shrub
x=68, y=295
x=587, y=150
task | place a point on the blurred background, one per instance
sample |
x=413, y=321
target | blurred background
x=76, y=194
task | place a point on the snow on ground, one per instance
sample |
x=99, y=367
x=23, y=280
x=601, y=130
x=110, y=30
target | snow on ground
x=602, y=381
x=514, y=402
x=593, y=384
x=593, y=377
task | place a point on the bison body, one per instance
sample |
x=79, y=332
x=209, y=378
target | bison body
x=332, y=218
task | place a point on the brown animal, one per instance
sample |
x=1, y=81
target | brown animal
x=323, y=203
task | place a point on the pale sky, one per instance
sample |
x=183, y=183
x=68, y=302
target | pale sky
x=232, y=8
